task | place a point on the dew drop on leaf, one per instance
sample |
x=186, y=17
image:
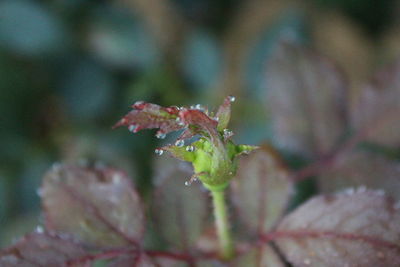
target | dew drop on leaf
x=190, y=148
x=132, y=128
x=180, y=143
x=159, y=151
x=160, y=135
x=227, y=133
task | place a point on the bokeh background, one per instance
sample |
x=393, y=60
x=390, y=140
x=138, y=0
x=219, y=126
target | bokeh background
x=69, y=69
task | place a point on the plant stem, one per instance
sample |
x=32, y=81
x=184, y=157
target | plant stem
x=222, y=224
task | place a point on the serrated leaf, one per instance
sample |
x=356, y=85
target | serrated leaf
x=261, y=189
x=98, y=205
x=200, y=119
x=180, y=211
x=362, y=168
x=306, y=100
x=377, y=108
x=357, y=228
x=150, y=116
x=42, y=249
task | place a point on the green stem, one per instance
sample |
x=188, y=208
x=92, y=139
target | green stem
x=222, y=224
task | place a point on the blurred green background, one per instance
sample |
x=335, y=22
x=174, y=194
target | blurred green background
x=69, y=69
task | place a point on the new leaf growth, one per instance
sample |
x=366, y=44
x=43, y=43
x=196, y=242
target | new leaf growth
x=213, y=155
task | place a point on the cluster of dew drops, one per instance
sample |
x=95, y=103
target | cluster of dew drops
x=180, y=143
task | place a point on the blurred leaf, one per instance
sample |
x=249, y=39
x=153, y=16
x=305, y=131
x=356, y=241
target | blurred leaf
x=306, y=98
x=359, y=168
x=96, y=205
x=28, y=28
x=202, y=58
x=180, y=212
x=87, y=90
x=290, y=25
x=120, y=41
x=261, y=256
x=41, y=249
x=139, y=260
x=338, y=37
x=376, y=110
x=261, y=189
x=357, y=228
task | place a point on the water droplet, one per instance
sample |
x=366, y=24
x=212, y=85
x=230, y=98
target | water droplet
x=188, y=183
x=159, y=151
x=227, y=133
x=180, y=143
x=232, y=98
x=138, y=103
x=132, y=128
x=39, y=229
x=39, y=192
x=190, y=148
x=307, y=261
x=180, y=122
x=161, y=135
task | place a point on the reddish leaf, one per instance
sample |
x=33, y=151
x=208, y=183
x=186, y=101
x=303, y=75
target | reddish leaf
x=358, y=228
x=199, y=118
x=180, y=211
x=377, y=108
x=149, y=116
x=261, y=189
x=306, y=99
x=168, y=119
x=42, y=249
x=358, y=168
x=95, y=205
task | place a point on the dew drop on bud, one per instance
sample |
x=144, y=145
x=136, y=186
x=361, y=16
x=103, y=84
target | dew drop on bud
x=132, y=128
x=190, y=148
x=227, y=133
x=159, y=151
x=180, y=143
x=161, y=135
x=232, y=98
